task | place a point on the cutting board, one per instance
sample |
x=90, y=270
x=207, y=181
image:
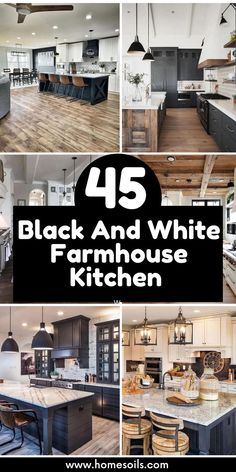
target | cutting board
x=178, y=402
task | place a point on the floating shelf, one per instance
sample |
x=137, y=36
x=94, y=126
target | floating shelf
x=228, y=64
x=212, y=80
x=227, y=81
x=231, y=44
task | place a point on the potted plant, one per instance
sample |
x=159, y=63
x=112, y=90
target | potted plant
x=54, y=374
x=136, y=79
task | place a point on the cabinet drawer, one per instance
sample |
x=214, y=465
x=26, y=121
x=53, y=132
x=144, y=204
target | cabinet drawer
x=229, y=128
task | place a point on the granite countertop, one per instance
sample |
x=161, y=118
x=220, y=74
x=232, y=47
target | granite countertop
x=205, y=413
x=229, y=382
x=226, y=106
x=42, y=397
x=153, y=103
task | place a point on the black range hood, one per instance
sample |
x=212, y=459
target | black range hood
x=91, y=48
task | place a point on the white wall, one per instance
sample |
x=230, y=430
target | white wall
x=10, y=364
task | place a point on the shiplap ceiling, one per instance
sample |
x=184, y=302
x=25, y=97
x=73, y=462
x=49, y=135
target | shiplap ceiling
x=134, y=315
x=191, y=173
x=72, y=25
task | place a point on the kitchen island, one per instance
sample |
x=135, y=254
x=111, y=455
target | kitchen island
x=95, y=92
x=142, y=123
x=211, y=426
x=65, y=416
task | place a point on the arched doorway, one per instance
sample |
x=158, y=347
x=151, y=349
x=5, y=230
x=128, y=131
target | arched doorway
x=37, y=197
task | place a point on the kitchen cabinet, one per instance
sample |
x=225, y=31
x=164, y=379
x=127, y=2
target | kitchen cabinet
x=71, y=339
x=233, y=357
x=215, y=124
x=188, y=64
x=97, y=398
x=62, y=50
x=113, y=84
x=108, y=335
x=222, y=129
x=206, y=332
x=111, y=403
x=157, y=348
x=75, y=51
x=137, y=350
x=109, y=49
x=178, y=353
x=164, y=74
x=43, y=363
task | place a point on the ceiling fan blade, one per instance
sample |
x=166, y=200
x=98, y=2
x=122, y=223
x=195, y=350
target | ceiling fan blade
x=21, y=18
x=41, y=8
x=11, y=5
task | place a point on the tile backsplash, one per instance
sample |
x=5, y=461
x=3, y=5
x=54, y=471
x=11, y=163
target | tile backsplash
x=225, y=88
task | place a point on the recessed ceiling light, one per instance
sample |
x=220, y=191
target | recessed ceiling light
x=18, y=37
x=196, y=311
x=7, y=41
x=33, y=34
x=134, y=321
x=24, y=324
x=171, y=158
x=88, y=16
x=60, y=313
x=177, y=180
x=86, y=35
x=55, y=27
x=117, y=30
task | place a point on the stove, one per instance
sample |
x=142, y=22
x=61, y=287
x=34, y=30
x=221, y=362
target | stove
x=65, y=383
x=203, y=107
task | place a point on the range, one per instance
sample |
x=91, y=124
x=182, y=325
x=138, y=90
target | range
x=65, y=383
x=203, y=107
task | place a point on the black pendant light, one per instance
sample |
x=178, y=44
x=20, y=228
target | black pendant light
x=42, y=339
x=182, y=330
x=64, y=180
x=136, y=48
x=10, y=345
x=148, y=55
x=230, y=184
x=74, y=185
x=223, y=20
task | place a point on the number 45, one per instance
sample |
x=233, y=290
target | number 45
x=126, y=186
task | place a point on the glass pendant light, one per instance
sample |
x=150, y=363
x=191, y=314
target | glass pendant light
x=145, y=334
x=136, y=48
x=42, y=339
x=182, y=330
x=148, y=56
x=10, y=345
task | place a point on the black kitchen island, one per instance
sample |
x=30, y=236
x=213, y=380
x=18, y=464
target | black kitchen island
x=95, y=92
x=65, y=416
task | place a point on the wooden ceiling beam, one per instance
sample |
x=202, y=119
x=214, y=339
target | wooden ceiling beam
x=208, y=167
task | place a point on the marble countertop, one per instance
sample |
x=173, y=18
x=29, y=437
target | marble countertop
x=153, y=103
x=85, y=75
x=226, y=106
x=204, y=414
x=96, y=384
x=43, y=397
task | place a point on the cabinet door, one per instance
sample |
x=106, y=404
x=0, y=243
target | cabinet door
x=112, y=83
x=233, y=359
x=198, y=332
x=62, y=50
x=137, y=351
x=212, y=332
x=174, y=353
x=164, y=74
x=215, y=125
x=97, y=398
x=75, y=52
x=65, y=335
x=111, y=403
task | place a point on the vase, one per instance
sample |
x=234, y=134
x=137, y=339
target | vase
x=137, y=94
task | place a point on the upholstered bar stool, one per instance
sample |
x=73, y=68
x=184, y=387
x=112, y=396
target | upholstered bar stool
x=66, y=83
x=78, y=83
x=167, y=439
x=135, y=427
x=13, y=418
x=54, y=82
x=43, y=80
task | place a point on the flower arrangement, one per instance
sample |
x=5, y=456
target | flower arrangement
x=135, y=79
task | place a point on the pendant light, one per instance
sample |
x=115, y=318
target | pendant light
x=181, y=329
x=136, y=48
x=64, y=190
x=42, y=339
x=148, y=56
x=223, y=20
x=230, y=184
x=74, y=185
x=145, y=333
x=9, y=345
x=56, y=53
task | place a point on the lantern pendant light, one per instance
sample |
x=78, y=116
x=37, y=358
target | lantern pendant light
x=145, y=334
x=136, y=48
x=148, y=56
x=42, y=339
x=10, y=345
x=74, y=185
x=182, y=330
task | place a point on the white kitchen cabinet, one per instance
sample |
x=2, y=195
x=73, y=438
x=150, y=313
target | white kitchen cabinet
x=137, y=350
x=198, y=332
x=206, y=332
x=113, y=84
x=157, y=348
x=126, y=356
x=109, y=49
x=75, y=52
x=62, y=50
x=178, y=353
x=233, y=356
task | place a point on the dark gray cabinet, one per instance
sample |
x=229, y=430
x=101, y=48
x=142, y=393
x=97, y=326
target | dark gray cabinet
x=188, y=64
x=71, y=339
x=106, y=400
x=164, y=73
x=223, y=129
x=108, y=335
x=97, y=398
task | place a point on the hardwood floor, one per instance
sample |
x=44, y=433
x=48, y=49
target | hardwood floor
x=44, y=123
x=183, y=132
x=106, y=441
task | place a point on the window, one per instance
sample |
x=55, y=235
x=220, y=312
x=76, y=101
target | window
x=108, y=352
x=18, y=61
x=206, y=202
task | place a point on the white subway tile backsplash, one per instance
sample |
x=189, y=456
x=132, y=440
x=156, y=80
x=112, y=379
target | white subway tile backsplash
x=226, y=88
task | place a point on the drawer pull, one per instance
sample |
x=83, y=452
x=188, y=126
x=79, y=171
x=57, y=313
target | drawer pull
x=230, y=129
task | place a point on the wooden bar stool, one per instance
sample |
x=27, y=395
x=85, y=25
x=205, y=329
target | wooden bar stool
x=133, y=428
x=78, y=83
x=43, y=80
x=66, y=83
x=54, y=82
x=167, y=439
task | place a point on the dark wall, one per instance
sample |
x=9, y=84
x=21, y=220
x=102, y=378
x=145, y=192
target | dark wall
x=36, y=51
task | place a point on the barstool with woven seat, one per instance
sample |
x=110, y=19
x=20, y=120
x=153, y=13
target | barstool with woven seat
x=167, y=439
x=78, y=83
x=66, y=83
x=43, y=79
x=12, y=418
x=133, y=428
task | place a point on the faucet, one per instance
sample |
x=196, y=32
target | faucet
x=163, y=380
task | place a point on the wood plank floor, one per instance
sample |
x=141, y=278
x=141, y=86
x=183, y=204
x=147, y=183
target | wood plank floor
x=183, y=132
x=41, y=122
x=229, y=296
x=106, y=441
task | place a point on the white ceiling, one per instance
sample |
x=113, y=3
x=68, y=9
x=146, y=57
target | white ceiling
x=32, y=316
x=165, y=313
x=44, y=167
x=72, y=25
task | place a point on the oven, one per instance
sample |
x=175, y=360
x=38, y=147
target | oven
x=153, y=367
x=184, y=99
x=203, y=111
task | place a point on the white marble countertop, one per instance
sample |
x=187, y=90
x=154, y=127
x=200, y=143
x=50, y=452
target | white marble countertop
x=96, y=384
x=205, y=413
x=153, y=103
x=87, y=75
x=43, y=397
x=226, y=106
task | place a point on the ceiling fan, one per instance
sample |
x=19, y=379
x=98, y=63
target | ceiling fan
x=25, y=9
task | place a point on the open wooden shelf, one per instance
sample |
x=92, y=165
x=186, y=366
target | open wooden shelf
x=230, y=63
x=231, y=44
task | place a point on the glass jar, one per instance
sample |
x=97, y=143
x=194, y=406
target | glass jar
x=209, y=385
x=190, y=384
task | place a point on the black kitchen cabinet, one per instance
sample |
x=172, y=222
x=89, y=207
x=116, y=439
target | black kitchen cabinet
x=71, y=339
x=215, y=124
x=223, y=129
x=43, y=363
x=108, y=335
x=188, y=60
x=78, y=387
x=97, y=399
x=164, y=73
x=111, y=403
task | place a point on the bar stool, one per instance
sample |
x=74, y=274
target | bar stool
x=13, y=418
x=43, y=79
x=167, y=440
x=54, y=82
x=66, y=83
x=79, y=84
x=134, y=428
